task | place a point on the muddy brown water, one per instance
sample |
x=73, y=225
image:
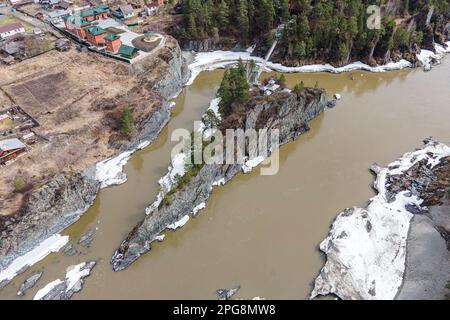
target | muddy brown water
x=261, y=232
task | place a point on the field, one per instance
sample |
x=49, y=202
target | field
x=9, y=19
x=77, y=98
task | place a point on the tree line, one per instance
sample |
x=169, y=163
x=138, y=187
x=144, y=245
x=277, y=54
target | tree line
x=335, y=30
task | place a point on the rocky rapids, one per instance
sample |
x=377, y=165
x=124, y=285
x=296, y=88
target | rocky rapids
x=398, y=245
x=62, y=201
x=285, y=110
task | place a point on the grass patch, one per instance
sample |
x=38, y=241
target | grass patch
x=4, y=20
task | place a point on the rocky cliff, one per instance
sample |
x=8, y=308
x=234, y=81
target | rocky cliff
x=61, y=201
x=286, y=111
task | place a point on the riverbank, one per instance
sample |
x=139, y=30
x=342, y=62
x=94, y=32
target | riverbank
x=113, y=165
x=204, y=61
x=366, y=248
x=61, y=201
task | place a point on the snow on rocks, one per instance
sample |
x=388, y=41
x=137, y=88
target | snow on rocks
x=73, y=283
x=252, y=163
x=178, y=224
x=177, y=168
x=51, y=244
x=366, y=247
x=197, y=208
x=206, y=61
x=45, y=290
x=428, y=58
x=109, y=172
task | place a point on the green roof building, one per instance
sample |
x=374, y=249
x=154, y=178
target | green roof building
x=77, y=21
x=95, y=30
x=93, y=12
x=112, y=37
x=127, y=51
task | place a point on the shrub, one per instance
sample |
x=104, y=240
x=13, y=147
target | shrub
x=19, y=183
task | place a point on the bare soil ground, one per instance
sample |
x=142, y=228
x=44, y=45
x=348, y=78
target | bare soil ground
x=77, y=98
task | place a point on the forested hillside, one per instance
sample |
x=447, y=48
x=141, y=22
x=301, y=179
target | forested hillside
x=320, y=30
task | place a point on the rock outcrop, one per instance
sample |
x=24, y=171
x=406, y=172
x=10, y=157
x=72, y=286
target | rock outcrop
x=48, y=210
x=285, y=111
x=61, y=201
x=73, y=283
x=29, y=283
x=366, y=248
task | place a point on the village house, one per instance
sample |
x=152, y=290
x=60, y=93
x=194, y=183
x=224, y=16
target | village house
x=125, y=12
x=56, y=16
x=10, y=30
x=77, y=25
x=113, y=43
x=153, y=7
x=100, y=12
x=96, y=35
x=64, y=5
x=10, y=149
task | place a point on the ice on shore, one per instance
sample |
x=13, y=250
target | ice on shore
x=205, y=61
x=197, y=208
x=51, y=244
x=426, y=56
x=366, y=247
x=110, y=171
x=178, y=224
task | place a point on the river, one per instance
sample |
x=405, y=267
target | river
x=260, y=232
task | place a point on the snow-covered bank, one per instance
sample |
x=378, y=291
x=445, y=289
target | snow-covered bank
x=51, y=244
x=427, y=57
x=206, y=61
x=366, y=247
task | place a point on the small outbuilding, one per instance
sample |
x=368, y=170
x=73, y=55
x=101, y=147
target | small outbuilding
x=10, y=149
x=128, y=51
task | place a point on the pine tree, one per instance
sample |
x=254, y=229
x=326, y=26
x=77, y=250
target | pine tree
x=223, y=15
x=127, y=121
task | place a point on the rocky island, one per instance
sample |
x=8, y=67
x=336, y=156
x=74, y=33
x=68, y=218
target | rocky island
x=261, y=108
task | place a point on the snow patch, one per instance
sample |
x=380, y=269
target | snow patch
x=250, y=164
x=177, y=168
x=180, y=223
x=197, y=208
x=45, y=290
x=206, y=61
x=75, y=274
x=51, y=244
x=426, y=56
x=109, y=171
x=366, y=248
